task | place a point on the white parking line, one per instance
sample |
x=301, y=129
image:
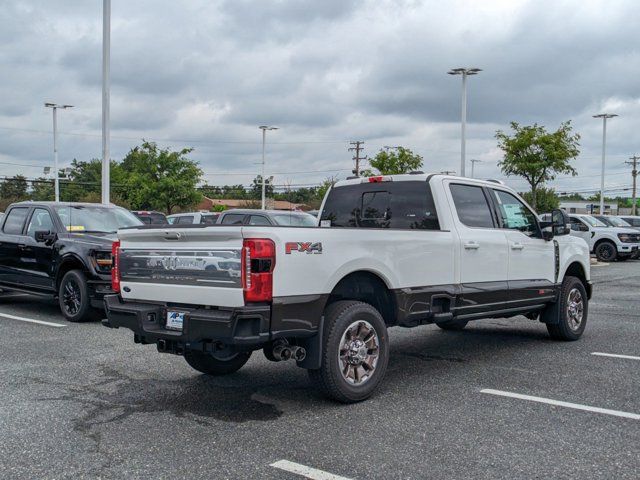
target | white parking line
x=307, y=472
x=31, y=320
x=615, y=355
x=549, y=401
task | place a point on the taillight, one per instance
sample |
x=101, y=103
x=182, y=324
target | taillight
x=258, y=262
x=115, y=266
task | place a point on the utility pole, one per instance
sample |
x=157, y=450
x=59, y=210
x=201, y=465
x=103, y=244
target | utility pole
x=634, y=174
x=264, y=129
x=357, y=148
x=106, y=99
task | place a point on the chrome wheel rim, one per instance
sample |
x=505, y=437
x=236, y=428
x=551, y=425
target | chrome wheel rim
x=575, y=309
x=71, y=297
x=359, y=352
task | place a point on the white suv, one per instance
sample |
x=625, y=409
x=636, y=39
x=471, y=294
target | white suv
x=607, y=243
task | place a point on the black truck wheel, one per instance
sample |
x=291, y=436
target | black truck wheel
x=355, y=352
x=606, y=251
x=73, y=297
x=567, y=318
x=453, y=325
x=211, y=365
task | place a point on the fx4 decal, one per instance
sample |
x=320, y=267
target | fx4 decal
x=308, y=247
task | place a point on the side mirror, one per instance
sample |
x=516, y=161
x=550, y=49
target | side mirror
x=560, y=222
x=45, y=236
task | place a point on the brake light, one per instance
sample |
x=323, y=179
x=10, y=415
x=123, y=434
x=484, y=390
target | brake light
x=258, y=262
x=378, y=179
x=115, y=266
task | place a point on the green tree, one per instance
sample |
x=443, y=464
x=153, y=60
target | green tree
x=395, y=161
x=545, y=201
x=14, y=188
x=256, y=188
x=537, y=155
x=42, y=189
x=160, y=179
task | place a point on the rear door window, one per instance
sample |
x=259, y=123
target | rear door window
x=186, y=220
x=14, y=222
x=208, y=219
x=472, y=206
x=396, y=205
x=258, y=220
x=233, y=219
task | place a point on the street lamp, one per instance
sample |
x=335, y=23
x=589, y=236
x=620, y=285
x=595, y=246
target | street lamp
x=604, y=117
x=264, y=129
x=55, y=107
x=106, y=96
x=473, y=163
x=465, y=72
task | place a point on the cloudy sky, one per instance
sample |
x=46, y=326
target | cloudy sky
x=206, y=73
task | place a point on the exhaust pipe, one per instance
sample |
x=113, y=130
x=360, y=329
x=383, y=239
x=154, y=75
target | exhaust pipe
x=284, y=351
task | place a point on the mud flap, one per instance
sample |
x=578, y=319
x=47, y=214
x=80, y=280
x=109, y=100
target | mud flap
x=313, y=346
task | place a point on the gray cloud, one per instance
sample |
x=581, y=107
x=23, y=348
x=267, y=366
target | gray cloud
x=206, y=74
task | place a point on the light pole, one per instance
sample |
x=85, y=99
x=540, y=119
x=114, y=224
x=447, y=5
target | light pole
x=264, y=129
x=465, y=72
x=106, y=129
x=604, y=117
x=473, y=163
x=56, y=181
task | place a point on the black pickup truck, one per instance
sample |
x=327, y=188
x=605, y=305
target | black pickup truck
x=63, y=250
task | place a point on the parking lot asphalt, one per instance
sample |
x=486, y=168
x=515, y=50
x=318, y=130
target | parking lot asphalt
x=84, y=401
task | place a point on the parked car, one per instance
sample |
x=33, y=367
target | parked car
x=274, y=218
x=193, y=218
x=63, y=250
x=632, y=220
x=612, y=221
x=402, y=250
x=151, y=218
x=607, y=243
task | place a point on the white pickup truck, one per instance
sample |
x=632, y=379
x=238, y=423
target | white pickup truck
x=403, y=250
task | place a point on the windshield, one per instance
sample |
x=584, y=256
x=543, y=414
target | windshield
x=594, y=222
x=90, y=219
x=616, y=222
x=295, y=220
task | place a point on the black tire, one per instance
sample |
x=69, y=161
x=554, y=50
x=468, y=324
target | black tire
x=340, y=319
x=210, y=365
x=73, y=297
x=453, y=325
x=557, y=316
x=606, y=251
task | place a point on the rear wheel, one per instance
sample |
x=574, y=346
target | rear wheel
x=355, y=352
x=567, y=318
x=213, y=365
x=606, y=251
x=73, y=297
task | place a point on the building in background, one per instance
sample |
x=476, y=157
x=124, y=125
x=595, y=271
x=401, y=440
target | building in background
x=209, y=204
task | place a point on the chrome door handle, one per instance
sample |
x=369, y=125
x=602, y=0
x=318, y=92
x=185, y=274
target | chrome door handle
x=472, y=245
x=517, y=246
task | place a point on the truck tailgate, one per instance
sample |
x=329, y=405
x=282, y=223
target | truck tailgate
x=201, y=265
